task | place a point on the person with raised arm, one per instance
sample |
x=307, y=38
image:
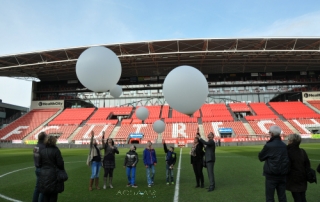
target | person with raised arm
x=109, y=161
x=210, y=158
x=94, y=160
x=197, y=154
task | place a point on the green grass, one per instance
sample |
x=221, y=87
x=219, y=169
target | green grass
x=238, y=174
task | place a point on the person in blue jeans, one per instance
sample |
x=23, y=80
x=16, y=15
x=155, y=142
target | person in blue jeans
x=94, y=160
x=130, y=162
x=37, y=196
x=170, y=161
x=150, y=161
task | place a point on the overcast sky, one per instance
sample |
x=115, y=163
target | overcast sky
x=34, y=25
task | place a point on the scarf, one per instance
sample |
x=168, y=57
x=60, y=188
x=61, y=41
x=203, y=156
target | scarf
x=193, y=149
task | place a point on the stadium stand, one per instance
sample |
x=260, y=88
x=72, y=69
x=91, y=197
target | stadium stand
x=262, y=112
x=237, y=127
x=72, y=116
x=62, y=131
x=215, y=112
x=315, y=103
x=293, y=110
x=262, y=127
x=239, y=107
x=20, y=128
x=85, y=132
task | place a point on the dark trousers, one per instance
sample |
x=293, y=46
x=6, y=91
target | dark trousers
x=53, y=197
x=197, y=169
x=276, y=184
x=299, y=196
x=210, y=169
x=37, y=196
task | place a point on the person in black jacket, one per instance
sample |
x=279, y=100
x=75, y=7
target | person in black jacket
x=37, y=196
x=318, y=168
x=130, y=162
x=299, y=162
x=170, y=161
x=210, y=158
x=109, y=161
x=197, y=154
x=50, y=158
x=276, y=165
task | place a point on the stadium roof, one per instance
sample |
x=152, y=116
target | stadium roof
x=156, y=58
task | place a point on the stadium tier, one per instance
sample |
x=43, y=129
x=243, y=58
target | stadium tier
x=239, y=107
x=76, y=124
x=315, y=103
x=294, y=110
x=21, y=127
x=72, y=116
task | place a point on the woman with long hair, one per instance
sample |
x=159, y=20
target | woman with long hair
x=109, y=162
x=197, y=154
x=50, y=159
x=94, y=160
x=297, y=176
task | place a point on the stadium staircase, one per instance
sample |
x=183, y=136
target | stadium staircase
x=44, y=124
x=232, y=113
x=249, y=128
x=74, y=134
x=275, y=112
x=293, y=129
x=312, y=107
x=85, y=121
x=114, y=132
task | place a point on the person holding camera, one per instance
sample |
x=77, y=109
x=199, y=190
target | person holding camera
x=170, y=161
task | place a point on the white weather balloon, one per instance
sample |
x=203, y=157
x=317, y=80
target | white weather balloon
x=185, y=89
x=159, y=126
x=142, y=113
x=98, y=69
x=116, y=91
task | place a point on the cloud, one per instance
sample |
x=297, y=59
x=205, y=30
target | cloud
x=302, y=26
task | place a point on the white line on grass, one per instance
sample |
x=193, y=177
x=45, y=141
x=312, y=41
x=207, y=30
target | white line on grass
x=9, y=199
x=14, y=200
x=176, y=191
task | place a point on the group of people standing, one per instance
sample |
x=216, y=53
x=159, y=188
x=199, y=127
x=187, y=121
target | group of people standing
x=285, y=167
x=203, y=155
x=95, y=160
x=47, y=158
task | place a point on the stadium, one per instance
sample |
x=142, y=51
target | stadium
x=254, y=83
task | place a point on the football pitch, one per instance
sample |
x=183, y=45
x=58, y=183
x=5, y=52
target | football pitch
x=238, y=176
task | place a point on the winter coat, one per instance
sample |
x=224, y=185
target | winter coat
x=109, y=156
x=50, y=158
x=297, y=176
x=36, y=153
x=170, y=156
x=199, y=154
x=93, y=152
x=149, y=157
x=210, y=155
x=275, y=155
x=131, y=158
